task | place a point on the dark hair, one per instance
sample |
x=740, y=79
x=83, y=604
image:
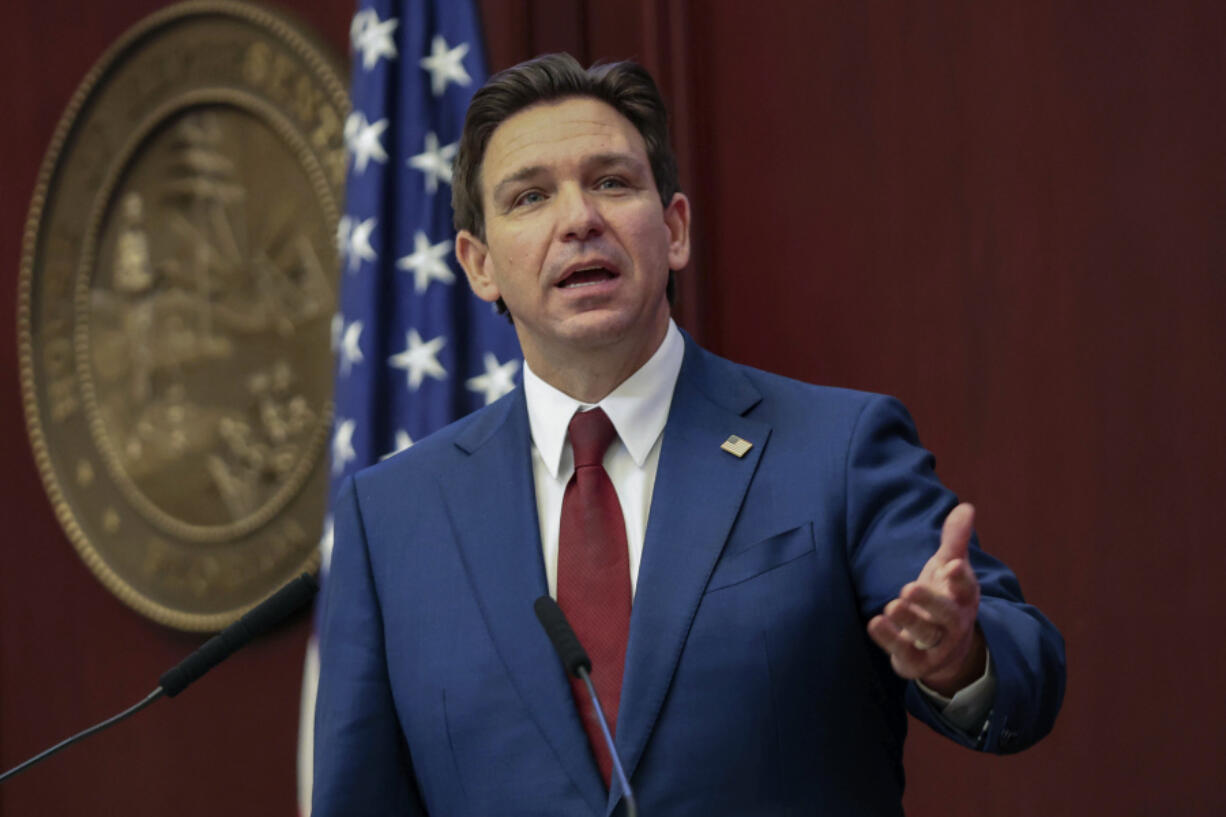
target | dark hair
x=625, y=86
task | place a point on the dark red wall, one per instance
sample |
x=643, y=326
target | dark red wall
x=1012, y=216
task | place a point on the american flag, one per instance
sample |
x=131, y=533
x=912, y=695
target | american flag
x=414, y=348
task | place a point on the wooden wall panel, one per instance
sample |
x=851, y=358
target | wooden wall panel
x=1011, y=217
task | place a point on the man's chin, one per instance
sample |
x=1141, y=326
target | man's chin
x=594, y=335
x=594, y=331
x=602, y=329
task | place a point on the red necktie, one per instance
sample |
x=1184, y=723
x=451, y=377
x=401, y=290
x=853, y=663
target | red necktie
x=594, y=574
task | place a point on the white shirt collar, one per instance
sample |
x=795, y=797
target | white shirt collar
x=638, y=407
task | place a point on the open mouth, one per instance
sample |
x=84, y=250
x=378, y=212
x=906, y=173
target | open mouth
x=587, y=276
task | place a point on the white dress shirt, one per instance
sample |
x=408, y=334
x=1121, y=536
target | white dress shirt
x=638, y=409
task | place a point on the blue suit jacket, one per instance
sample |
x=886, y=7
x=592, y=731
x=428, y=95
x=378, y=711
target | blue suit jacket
x=750, y=687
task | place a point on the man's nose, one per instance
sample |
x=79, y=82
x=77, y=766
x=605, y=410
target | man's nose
x=581, y=217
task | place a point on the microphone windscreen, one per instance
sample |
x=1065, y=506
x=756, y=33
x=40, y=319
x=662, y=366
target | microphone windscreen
x=257, y=621
x=562, y=636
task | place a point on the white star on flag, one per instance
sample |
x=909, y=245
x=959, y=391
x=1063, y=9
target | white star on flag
x=343, y=226
x=420, y=359
x=403, y=441
x=427, y=262
x=364, y=140
x=435, y=161
x=497, y=380
x=445, y=65
x=338, y=326
x=351, y=353
x=342, y=444
x=325, y=545
x=359, y=243
x=372, y=37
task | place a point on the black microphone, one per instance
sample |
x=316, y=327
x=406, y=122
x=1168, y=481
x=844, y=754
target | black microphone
x=574, y=657
x=257, y=621
x=575, y=660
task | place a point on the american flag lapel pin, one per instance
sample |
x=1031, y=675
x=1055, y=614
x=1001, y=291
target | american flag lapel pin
x=736, y=446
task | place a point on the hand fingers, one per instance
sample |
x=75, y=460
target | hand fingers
x=906, y=660
x=955, y=582
x=950, y=607
x=915, y=624
x=961, y=583
x=888, y=637
x=956, y=533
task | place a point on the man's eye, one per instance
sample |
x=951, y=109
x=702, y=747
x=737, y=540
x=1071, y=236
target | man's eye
x=610, y=183
x=527, y=197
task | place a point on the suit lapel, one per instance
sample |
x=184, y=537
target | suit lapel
x=492, y=505
x=698, y=492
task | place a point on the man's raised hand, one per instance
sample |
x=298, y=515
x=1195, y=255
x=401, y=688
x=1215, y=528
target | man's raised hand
x=929, y=630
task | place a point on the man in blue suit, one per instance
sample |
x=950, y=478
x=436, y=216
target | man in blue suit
x=790, y=580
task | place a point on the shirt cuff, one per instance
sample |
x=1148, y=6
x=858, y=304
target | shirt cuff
x=970, y=705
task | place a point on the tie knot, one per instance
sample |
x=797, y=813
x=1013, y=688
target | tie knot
x=590, y=433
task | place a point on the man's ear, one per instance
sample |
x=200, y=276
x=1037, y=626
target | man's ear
x=473, y=255
x=677, y=219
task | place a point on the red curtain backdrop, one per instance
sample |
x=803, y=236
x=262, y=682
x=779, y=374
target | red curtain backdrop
x=1009, y=215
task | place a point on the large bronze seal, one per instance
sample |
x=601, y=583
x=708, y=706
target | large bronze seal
x=177, y=287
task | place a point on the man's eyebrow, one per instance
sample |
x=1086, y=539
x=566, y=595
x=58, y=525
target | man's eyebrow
x=613, y=160
x=518, y=176
x=594, y=162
